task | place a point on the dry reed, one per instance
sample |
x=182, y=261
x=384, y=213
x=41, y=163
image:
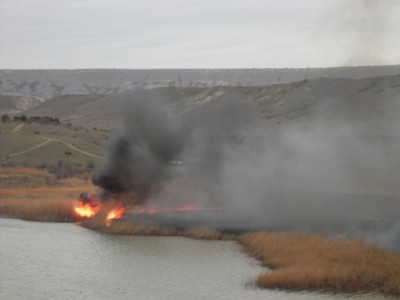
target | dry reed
x=35, y=192
x=302, y=262
x=43, y=210
x=52, y=204
x=23, y=171
x=75, y=181
x=133, y=228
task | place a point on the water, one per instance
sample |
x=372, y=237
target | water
x=66, y=261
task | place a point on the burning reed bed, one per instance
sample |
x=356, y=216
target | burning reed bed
x=300, y=262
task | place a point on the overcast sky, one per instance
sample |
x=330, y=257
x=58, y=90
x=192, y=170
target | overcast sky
x=40, y=34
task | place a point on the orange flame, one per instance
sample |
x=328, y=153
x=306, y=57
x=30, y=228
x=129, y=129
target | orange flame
x=85, y=210
x=183, y=208
x=115, y=213
x=89, y=206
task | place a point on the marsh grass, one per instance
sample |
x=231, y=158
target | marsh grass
x=301, y=262
x=37, y=192
x=134, y=228
x=298, y=261
x=43, y=210
x=43, y=203
x=23, y=171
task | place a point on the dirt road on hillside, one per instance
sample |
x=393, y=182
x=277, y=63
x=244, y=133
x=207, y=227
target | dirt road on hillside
x=47, y=141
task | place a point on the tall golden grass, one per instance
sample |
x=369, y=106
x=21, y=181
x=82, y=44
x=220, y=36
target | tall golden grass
x=23, y=171
x=53, y=204
x=302, y=262
x=43, y=210
x=46, y=191
x=75, y=181
x=133, y=228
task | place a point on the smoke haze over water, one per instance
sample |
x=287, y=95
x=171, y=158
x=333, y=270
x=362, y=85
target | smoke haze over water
x=327, y=172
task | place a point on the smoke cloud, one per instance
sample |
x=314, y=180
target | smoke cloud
x=140, y=153
x=330, y=172
x=368, y=21
x=363, y=31
x=155, y=137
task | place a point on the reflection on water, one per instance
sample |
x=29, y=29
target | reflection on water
x=65, y=261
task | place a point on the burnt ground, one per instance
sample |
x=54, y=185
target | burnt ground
x=367, y=217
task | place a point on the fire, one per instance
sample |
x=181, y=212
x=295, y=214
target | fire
x=115, y=214
x=157, y=210
x=85, y=210
x=87, y=206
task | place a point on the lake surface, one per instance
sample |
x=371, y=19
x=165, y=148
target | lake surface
x=66, y=261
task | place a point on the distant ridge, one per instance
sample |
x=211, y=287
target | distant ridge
x=355, y=99
x=38, y=85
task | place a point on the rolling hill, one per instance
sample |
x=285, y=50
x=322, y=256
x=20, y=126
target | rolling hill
x=370, y=104
x=364, y=100
x=38, y=85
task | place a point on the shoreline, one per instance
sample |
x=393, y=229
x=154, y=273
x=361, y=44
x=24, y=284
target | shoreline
x=298, y=262
x=295, y=262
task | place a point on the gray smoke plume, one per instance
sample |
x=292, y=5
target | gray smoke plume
x=367, y=21
x=138, y=155
x=141, y=156
x=365, y=28
x=335, y=171
x=365, y=24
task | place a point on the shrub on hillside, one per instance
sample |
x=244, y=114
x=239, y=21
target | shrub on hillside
x=44, y=120
x=22, y=118
x=63, y=169
x=5, y=118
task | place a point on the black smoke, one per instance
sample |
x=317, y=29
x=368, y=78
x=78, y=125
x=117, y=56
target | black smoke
x=155, y=137
x=139, y=154
x=335, y=170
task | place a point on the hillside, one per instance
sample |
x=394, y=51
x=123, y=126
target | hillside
x=13, y=104
x=63, y=150
x=366, y=101
x=39, y=85
x=370, y=105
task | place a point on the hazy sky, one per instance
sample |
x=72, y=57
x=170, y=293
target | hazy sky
x=72, y=34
